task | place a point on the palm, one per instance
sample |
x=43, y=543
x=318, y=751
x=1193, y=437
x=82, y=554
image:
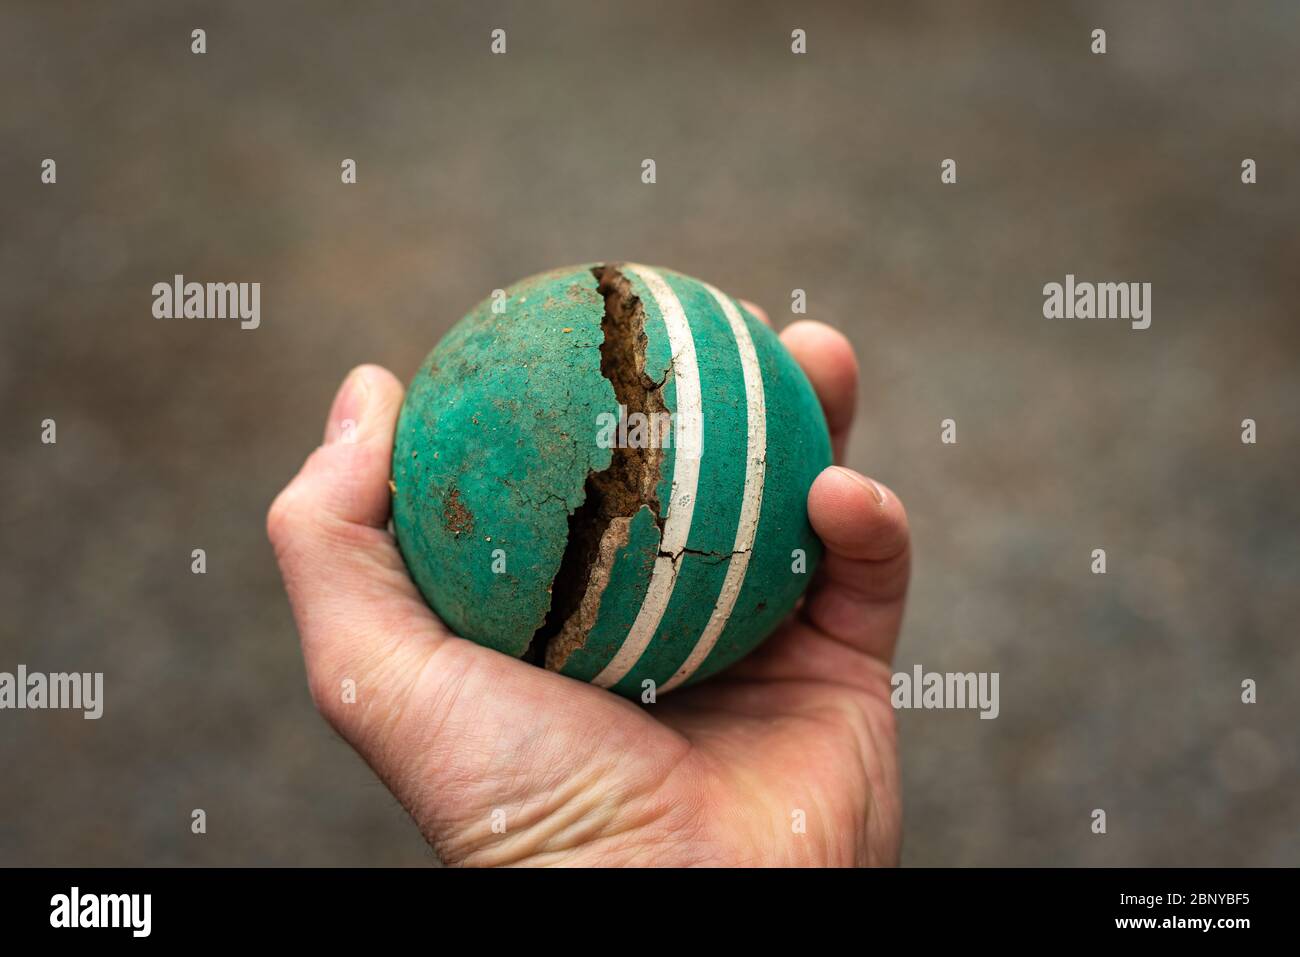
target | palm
x=821, y=747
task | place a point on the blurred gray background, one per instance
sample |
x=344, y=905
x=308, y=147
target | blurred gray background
x=775, y=171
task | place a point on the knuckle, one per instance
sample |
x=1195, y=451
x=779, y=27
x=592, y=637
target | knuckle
x=284, y=517
x=292, y=510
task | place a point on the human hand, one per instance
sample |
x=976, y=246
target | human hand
x=502, y=762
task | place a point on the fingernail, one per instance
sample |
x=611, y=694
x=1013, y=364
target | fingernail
x=348, y=408
x=877, y=492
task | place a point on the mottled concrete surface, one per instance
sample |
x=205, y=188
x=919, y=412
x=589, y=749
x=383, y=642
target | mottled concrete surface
x=775, y=172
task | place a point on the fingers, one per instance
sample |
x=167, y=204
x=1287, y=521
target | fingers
x=827, y=359
x=858, y=595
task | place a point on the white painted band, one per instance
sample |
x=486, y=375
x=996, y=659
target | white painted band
x=689, y=416
x=751, y=502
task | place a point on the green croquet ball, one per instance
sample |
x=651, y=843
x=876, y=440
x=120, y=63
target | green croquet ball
x=604, y=470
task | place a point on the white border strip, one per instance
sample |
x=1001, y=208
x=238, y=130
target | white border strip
x=752, y=498
x=689, y=434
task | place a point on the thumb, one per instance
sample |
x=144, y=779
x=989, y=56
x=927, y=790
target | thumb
x=346, y=479
x=359, y=615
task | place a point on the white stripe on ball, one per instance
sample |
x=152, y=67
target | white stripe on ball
x=686, y=476
x=752, y=498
